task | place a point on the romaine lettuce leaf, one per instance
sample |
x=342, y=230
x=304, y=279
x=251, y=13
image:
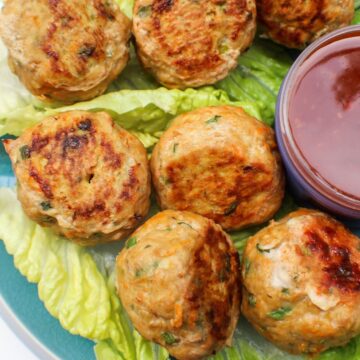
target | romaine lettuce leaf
x=126, y=6
x=356, y=19
x=146, y=112
x=349, y=352
x=258, y=76
x=134, y=77
x=66, y=273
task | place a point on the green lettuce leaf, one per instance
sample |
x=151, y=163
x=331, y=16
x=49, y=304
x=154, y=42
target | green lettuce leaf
x=356, y=19
x=67, y=275
x=126, y=7
x=348, y=352
x=134, y=77
x=258, y=77
x=146, y=112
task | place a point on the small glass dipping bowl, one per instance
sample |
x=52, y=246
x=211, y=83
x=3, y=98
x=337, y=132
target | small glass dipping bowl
x=309, y=185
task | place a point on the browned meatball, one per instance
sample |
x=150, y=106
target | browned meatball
x=178, y=279
x=221, y=163
x=82, y=175
x=295, y=23
x=187, y=43
x=65, y=50
x=301, y=282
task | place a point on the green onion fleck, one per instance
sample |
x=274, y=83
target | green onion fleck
x=97, y=235
x=214, y=119
x=169, y=338
x=222, y=275
x=280, y=313
x=223, y=48
x=131, y=242
x=285, y=291
x=139, y=272
x=247, y=266
x=45, y=205
x=165, y=180
x=231, y=209
x=25, y=152
x=261, y=249
x=86, y=51
x=144, y=11
x=175, y=147
x=186, y=224
x=306, y=251
x=251, y=300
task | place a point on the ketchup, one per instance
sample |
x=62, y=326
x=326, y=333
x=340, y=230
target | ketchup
x=324, y=114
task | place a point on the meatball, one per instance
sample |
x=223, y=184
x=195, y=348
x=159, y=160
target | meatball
x=301, y=282
x=221, y=163
x=186, y=43
x=82, y=175
x=178, y=278
x=65, y=50
x=295, y=23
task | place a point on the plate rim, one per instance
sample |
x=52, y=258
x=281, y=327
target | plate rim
x=20, y=330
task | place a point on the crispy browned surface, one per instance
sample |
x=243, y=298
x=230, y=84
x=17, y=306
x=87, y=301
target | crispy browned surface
x=65, y=50
x=181, y=278
x=220, y=163
x=310, y=264
x=296, y=23
x=187, y=43
x=82, y=175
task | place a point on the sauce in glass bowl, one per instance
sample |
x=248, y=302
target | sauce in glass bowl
x=318, y=123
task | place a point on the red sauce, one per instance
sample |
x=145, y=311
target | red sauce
x=324, y=114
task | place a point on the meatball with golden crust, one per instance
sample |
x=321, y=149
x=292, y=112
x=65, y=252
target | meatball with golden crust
x=186, y=43
x=65, y=50
x=221, y=163
x=178, y=278
x=301, y=282
x=295, y=23
x=82, y=175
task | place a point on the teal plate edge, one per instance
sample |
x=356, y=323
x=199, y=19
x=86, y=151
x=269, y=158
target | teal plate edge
x=22, y=310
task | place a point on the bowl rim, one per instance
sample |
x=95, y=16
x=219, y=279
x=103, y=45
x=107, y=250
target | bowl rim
x=317, y=186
